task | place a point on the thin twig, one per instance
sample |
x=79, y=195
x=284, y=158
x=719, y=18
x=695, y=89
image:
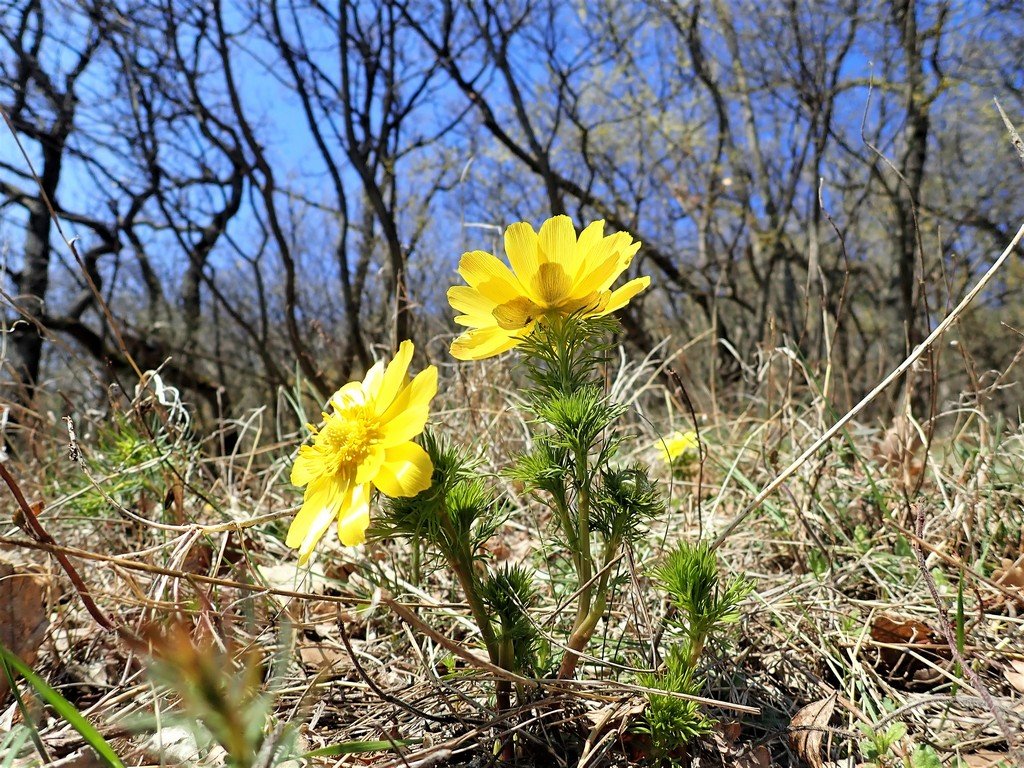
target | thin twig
x=895, y=374
x=1015, y=138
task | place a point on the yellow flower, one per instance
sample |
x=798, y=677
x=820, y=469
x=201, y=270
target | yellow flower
x=553, y=274
x=679, y=445
x=364, y=443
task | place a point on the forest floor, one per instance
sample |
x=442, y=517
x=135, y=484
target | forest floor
x=885, y=626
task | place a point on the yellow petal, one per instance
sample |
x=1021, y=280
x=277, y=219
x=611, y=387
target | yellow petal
x=490, y=277
x=620, y=296
x=404, y=426
x=407, y=470
x=474, y=321
x=393, y=378
x=307, y=466
x=481, y=343
x=348, y=395
x=590, y=237
x=518, y=313
x=557, y=241
x=463, y=298
x=521, y=249
x=320, y=505
x=370, y=465
x=551, y=284
x=373, y=379
x=417, y=394
x=354, y=516
x=626, y=249
x=603, y=265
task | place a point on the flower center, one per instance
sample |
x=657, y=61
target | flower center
x=347, y=437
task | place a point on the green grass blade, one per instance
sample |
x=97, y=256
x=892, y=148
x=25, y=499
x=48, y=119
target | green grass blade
x=64, y=708
x=33, y=732
x=12, y=744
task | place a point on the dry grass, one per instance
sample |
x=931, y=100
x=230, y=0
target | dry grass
x=369, y=644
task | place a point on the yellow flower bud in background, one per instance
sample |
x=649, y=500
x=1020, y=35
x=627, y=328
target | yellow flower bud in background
x=679, y=448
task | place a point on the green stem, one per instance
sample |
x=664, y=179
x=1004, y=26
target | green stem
x=586, y=624
x=585, y=571
x=461, y=562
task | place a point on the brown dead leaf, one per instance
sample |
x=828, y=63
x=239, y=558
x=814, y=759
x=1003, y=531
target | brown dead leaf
x=1015, y=675
x=321, y=656
x=897, y=664
x=1010, y=574
x=758, y=757
x=807, y=730
x=897, y=451
x=23, y=615
x=731, y=732
x=985, y=758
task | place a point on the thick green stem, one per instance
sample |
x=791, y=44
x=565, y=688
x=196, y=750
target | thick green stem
x=697, y=641
x=585, y=568
x=461, y=562
x=477, y=608
x=586, y=624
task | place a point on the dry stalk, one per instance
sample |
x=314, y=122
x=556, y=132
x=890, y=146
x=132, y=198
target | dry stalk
x=894, y=375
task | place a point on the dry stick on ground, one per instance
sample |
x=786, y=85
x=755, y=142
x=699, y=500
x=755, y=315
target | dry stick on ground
x=895, y=374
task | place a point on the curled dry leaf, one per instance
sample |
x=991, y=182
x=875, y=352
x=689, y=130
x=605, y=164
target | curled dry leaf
x=1010, y=574
x=23, y=615
x=897, y=663
x=1015, y=675
x=807, y=730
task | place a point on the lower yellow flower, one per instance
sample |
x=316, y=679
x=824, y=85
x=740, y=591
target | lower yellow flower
x=365, y=443
x=679, y=446
x=553, y=273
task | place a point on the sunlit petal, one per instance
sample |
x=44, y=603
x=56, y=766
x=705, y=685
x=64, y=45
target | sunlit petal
x=521, y=249
x=406, y=472
x=482, y=343
x=373, y=379
x=417, y=394
x=307, y=467
x=354, y=516
x=620, y=297
x=394, y=377
x=488, y=275
x=557, y=243
x=320, y=505
x=470, y=301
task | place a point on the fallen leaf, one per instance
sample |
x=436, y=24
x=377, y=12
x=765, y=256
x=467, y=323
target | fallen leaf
x=1010, y=573
x=1015, y=675
x=985, y=758
x=731, y=732
x=898, y=664
x=759, y=757
x=320, y=656
x=289, y=576
x=807, y=730
x=1009, y=576
x=23, y=615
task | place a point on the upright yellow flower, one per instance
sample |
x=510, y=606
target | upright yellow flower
x=553, y=274
x=365, y=442
x=679, y=446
